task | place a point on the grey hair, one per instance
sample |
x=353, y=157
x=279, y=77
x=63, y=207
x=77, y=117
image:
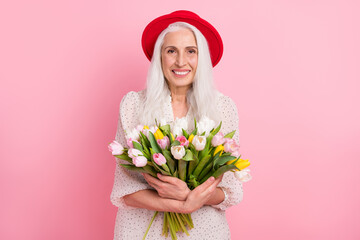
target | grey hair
x=201, y=96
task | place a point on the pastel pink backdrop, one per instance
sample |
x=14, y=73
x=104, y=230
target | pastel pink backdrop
x=292, y=67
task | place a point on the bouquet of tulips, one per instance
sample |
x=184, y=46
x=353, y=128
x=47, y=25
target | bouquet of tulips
x=192, y=157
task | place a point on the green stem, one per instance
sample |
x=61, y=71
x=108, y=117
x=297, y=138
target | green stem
x=147, y=230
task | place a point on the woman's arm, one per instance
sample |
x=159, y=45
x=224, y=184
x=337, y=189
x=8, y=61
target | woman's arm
x=200, y=196
x=174, y=188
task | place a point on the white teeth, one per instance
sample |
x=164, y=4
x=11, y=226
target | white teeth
x=181, y=73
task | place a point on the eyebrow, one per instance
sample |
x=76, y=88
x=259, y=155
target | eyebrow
x=176, y=47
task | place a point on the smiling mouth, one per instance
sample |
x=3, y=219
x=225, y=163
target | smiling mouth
x=180, y=73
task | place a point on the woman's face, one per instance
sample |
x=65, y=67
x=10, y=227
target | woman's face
x=179, y=58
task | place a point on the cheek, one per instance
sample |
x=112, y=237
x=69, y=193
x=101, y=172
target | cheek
x=193, y=62
x=167, y=61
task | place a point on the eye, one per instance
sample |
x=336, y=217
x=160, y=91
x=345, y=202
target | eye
x=170, y=51
x=192, y=51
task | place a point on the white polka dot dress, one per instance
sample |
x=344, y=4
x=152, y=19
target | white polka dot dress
x=209, y=221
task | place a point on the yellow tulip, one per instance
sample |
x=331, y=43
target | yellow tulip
x=146, y=127
x=240, y=164
x=220, y=149
x=158, y=134
x=191, y=137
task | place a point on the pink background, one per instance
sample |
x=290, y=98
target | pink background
x=292, y=67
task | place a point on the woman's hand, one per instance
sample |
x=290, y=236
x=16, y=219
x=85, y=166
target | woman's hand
x=169, y=187
x=200, y=195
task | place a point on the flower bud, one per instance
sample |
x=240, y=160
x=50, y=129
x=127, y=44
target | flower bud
x=158, y=134
x=139, y=161
x=159, y=159
x=243, y=176
x=164, y=142
x=183, y=141
x=115, y=148
x=199, y=142
x=217, y=139
x=178, y=151
x=133, y=152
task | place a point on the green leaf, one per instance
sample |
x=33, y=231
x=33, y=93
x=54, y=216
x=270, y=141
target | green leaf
x=185, y=134
x=214, y=132
x=154, y=145
x=137, y=146
x=182, y=166
x=169, y=160
x=193, y=182
x=223, y=169
x=201, y=165
x=188, y=156
x=144, y=140
x=222, y=160
x=194, y=132
x=175, y=143
x=192, y=165
x=123, y=156
x=206, y=170
x=165, y=128
x=230, y=134
x=133, y=168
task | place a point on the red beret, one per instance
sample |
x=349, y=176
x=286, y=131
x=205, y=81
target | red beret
x=155, y=27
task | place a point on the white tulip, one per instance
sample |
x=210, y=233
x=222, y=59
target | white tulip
x=178, y=151
x=199, y=142
x=243, y=175
x=179, y=125
x=133, y=152
x=205, y=125
x=134, y=134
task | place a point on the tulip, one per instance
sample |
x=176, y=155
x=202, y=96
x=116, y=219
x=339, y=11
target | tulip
x=205, y=125
x=191, y=137
x=199, y=142
x=243, y=176
x=220, y=149
x=133, y=134
x=178, y=151
x=240, y=164
x=133, y=152
x=115, y=148
x=230, y=145
x=139, y=161
x=158, y=134
x=159, y=159
x=183, y=141
x=164, y=142
x=218, y=139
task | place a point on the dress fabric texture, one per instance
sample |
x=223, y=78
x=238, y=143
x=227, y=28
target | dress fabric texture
x=209, y=221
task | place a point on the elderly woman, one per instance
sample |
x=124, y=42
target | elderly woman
x=183, y=49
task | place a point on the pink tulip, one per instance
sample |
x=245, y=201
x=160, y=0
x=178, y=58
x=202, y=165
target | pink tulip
x=159, y=159
x=230, y=146
x=183, y=141
x=218, y=139
x=164, y=142
x=115, y=148
x=139, y=161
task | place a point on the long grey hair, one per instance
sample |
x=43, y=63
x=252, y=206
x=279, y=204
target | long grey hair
x=201, y=96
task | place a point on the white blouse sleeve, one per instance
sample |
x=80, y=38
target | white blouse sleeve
x=126, y=182
x=231, y=187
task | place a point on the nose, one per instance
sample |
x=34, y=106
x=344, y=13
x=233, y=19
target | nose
x=181, y=59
